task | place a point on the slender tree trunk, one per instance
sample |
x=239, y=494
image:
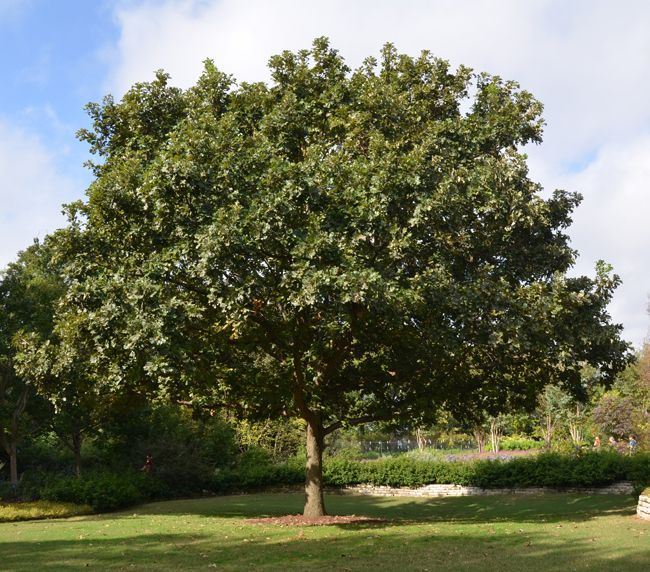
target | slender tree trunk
x=13, y=464
x=77, y=440
x=495, y=435
x=574, y=426
x=548, y=431
x=314, y=502
x=479, y=435
x=13, y=448
x=419, y=436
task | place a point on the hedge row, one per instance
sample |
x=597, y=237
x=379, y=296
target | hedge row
x=548, y=469
x=110, y=491
x=102, y=491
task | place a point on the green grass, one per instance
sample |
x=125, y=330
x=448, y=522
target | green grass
x=507, y=533
x=10, y=512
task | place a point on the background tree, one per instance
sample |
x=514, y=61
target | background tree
x=337, y=246
x=63, y=378
x=615, y=415
x=552, y=406
x=29, y=289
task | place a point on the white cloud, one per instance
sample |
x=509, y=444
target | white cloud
x=31, y=191
x=241, y=35
x=613, y=224
x=585, y=60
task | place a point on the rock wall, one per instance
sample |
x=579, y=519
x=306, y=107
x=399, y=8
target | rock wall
x=643, y=507
x=622, y=488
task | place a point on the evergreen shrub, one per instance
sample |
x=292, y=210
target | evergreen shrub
x=589, y=469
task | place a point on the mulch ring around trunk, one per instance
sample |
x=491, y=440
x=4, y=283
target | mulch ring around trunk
x=300, y=520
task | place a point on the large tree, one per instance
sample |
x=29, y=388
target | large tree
x=341, y=246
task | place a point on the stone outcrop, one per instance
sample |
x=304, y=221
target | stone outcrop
x=643, y=507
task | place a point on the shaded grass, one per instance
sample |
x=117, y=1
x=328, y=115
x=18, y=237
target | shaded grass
x=552, y=532
x=11, y=512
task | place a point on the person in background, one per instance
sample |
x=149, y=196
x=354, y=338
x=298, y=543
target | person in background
x=611, y=442
x=632, y=444
x=597, y=443
x=148, y=464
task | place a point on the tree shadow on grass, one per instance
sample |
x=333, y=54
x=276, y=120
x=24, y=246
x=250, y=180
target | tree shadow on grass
x=520, y=509
x=400, y=548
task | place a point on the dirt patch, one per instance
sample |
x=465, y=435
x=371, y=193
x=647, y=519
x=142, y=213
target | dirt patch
x=300, y=520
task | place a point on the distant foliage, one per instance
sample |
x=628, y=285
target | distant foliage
x=520, y=443
x=614, y=415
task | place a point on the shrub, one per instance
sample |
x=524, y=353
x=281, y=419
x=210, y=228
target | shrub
x=249, y=475
x=103, y=491
x=519, y=443
x=545, y=469
x=185, y=450
x=40, y=509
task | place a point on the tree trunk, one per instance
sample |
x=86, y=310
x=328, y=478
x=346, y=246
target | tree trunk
x=419, y=436
x=13, y=464
x=13, y=444
x=574, y=426
x=77, y=439
x=548, y=432
x=314, y=502
x=495, y=435
x=479, y=435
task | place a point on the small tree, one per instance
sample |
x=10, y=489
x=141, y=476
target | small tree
x=29, y=289
x=614, y=415
x=553, y=404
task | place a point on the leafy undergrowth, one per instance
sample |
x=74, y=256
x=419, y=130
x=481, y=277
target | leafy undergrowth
x=486, y=534
x=11, y=512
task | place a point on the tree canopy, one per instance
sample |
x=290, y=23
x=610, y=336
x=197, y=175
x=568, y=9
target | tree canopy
x=337, y=245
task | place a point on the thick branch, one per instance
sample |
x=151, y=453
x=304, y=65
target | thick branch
x=354, y=421
x=299, y=389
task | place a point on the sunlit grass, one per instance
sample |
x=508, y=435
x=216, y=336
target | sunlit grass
x=508, y=533
x=11, y=512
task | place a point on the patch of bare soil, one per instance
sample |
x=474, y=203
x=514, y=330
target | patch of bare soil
x=300, y=520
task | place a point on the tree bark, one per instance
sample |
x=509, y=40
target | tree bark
x=314, y=501
x=495, y=435
x=77, y=439
x=547, y=431
x=13, y=464
x=419, y=436
x=479, y=435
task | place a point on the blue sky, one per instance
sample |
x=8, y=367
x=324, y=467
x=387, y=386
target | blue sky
x=54, y=55
x=588, y=61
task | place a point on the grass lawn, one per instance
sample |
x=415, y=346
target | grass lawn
x=552, y=532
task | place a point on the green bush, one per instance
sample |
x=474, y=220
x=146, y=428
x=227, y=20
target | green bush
x=519, y=443
x=248, y=475
x=7, y=491
x=185, y=450
x=547, y=469
x=103, y=491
